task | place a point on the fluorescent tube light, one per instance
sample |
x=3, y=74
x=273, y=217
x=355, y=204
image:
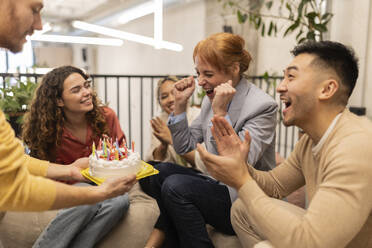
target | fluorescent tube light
x=77, y=39
x=126, y=36
x=136, y=12
x=158, y=23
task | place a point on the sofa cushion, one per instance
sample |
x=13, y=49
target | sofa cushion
x=21, y=229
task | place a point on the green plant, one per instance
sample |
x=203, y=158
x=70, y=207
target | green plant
x=306, y=17
x=14, y=99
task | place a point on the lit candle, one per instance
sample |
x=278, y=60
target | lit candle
x=116, y=155
x=126, y=151
x=104, y=148
x=93, y=148
x=117, y=148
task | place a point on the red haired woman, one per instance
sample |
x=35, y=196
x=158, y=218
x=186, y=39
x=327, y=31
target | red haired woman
x=188, y=199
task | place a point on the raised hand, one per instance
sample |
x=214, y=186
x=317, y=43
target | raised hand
x=161, y=131
x=182, y=91
x=227, y=140
x=230, y=166
x=113, y=187
x=223, y=95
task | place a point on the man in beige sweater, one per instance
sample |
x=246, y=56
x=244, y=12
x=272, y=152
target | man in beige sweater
x=333, y=159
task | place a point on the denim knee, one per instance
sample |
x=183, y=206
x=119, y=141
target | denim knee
x=175, y=185
x=83, y=209
x=119, y=204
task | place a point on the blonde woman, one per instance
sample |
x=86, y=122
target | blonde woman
x=161, y=148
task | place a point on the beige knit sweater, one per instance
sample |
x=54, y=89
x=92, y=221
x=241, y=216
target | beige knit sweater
x=339, y=187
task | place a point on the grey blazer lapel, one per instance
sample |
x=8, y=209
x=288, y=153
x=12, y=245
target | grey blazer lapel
x=238, y=101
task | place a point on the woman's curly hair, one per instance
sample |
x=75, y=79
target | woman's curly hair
x=43, y=124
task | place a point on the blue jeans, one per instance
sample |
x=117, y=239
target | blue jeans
x=83, y=226
x=188, y=200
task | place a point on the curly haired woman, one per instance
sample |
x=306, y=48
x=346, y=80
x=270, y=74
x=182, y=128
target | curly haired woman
x=64, y=120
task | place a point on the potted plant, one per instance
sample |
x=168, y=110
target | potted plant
x=14, y=101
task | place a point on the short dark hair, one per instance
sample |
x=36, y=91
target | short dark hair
x=334, y=55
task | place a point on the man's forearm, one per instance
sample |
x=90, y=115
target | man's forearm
x=58, y=172
x=69, y=196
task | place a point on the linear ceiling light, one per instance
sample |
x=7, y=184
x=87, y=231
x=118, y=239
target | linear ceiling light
x=136, y=12
x=158, y=23
x=77, y=39
x=126, y=36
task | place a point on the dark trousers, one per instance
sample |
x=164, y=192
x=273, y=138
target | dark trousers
x=188, y=201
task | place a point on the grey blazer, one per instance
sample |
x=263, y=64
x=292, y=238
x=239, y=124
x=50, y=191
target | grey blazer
x=250, y=109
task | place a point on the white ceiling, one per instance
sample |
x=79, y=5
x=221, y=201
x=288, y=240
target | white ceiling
x=60, y=13
x=70, y=8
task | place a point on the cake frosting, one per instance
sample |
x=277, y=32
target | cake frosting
x=118, y=162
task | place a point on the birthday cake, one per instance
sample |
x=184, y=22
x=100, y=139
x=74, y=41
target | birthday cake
x=110, y=160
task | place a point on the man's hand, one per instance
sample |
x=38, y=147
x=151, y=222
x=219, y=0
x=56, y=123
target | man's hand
x=161, y=131
x=182, y=91
x=223, y=94
x=68, y=196
x=113, y=187
x=230, y=166
x=76, y=167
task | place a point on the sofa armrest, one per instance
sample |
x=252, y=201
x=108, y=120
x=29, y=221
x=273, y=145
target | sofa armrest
x=21, y=229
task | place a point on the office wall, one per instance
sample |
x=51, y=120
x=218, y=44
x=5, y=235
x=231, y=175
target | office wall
x=351, y=25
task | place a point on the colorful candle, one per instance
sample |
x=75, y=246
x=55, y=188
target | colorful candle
x=108, y=155
x=104, y=148
x=93, y=148
x=116, y=155
x=132, y=146
x=117, y=148
x=126, y=151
